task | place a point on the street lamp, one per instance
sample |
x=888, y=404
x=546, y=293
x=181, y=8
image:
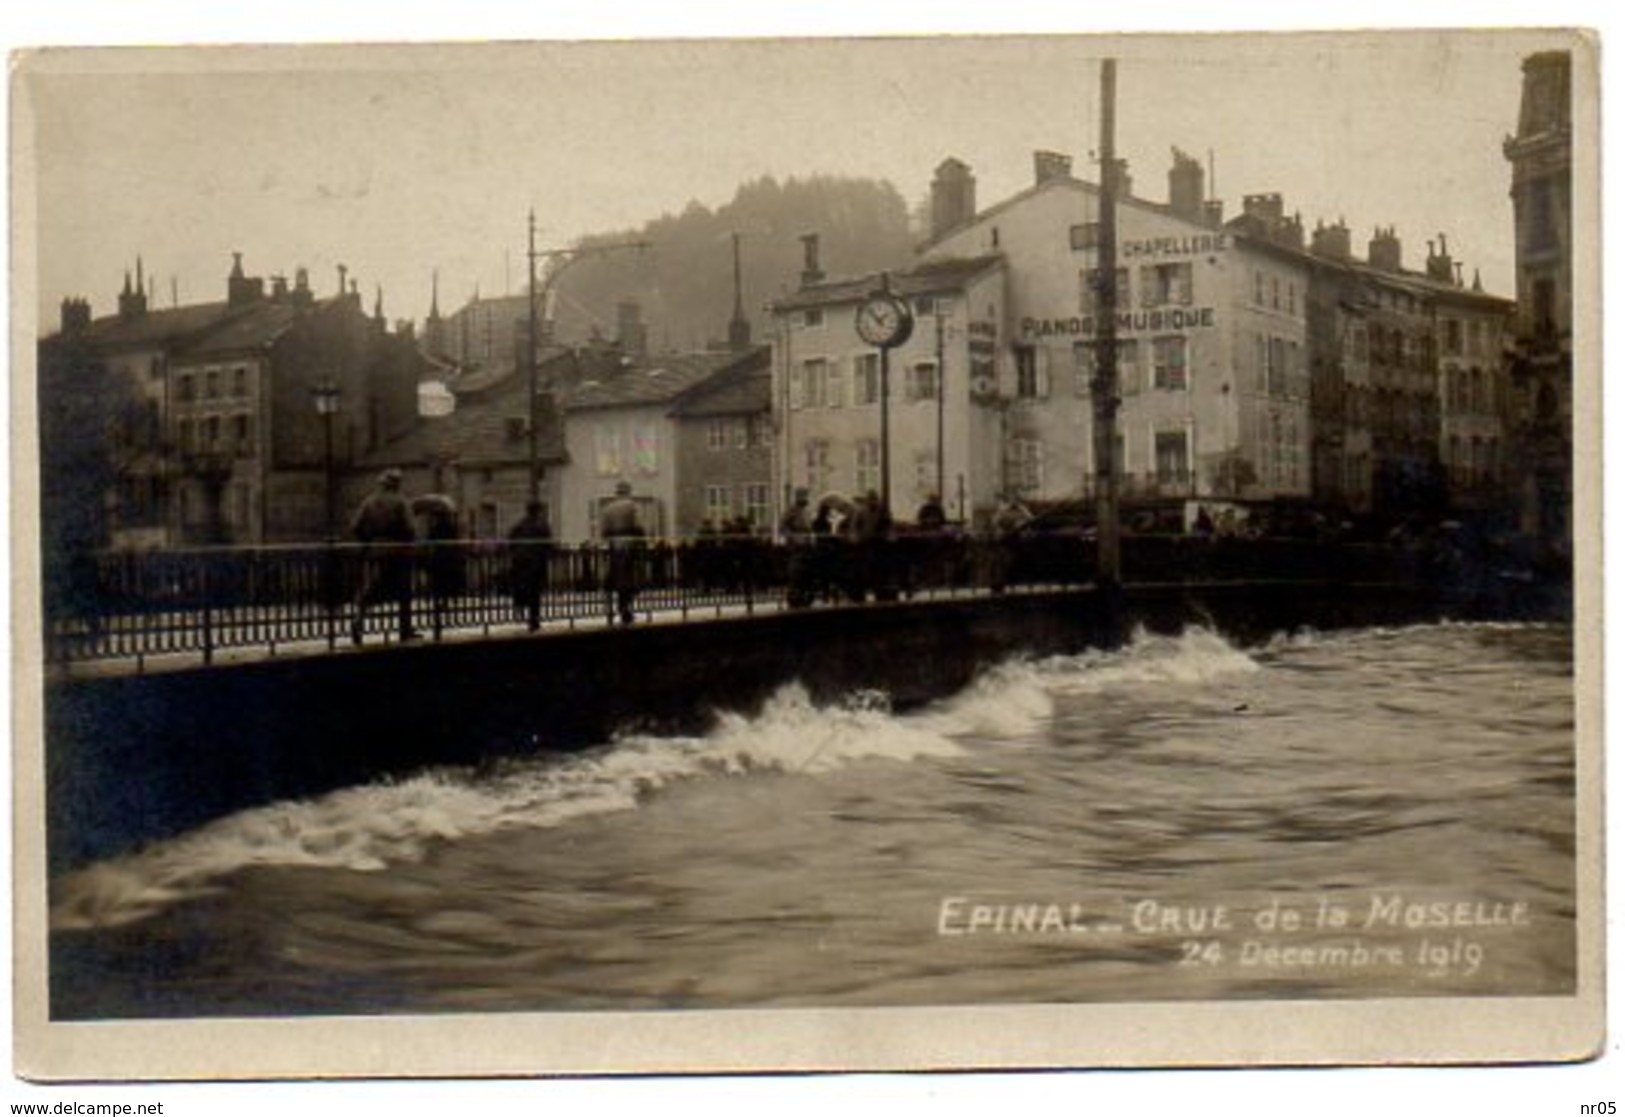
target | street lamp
x=326, y=395
x=560, y=258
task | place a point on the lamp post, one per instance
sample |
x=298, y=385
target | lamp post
x=564, y=257
x=326, y=395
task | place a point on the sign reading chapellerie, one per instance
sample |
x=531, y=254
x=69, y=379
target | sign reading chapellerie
x=1195, y=245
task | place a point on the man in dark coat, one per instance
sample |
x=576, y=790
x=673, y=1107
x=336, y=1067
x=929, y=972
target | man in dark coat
x=530, y=541
x=619, y=526
x=383, y=525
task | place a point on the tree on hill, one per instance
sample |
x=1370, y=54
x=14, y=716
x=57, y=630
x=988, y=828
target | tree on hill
x=684, y=281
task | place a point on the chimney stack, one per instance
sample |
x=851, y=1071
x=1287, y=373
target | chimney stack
x=811, y=271
x=240, y=288
x=1050, y=164
x=1440, y=266
x=1383, y=252
x=75, y=315
x=953, y=196
x=1187, y=188
x=1332, y=242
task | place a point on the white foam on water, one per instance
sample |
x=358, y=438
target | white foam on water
x=367, y=828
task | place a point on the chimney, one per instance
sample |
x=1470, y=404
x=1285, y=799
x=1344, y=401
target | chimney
x=953, y=196
x=630, y=331
x=1332, y=242
x=1124, y=180
x=1267, y=208
x=1383, y=252
x=1440, y=267
x=1050, y=164
x=738, y=325
x=811, y=271
x=75, y=315
x=132, y=301
x=302, y=294
x=343, y=288
x=1186, y=188
x=240, y=289
x=1213, y=213
x=279, y=288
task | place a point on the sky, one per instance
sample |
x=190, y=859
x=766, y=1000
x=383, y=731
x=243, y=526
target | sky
x=402, y=161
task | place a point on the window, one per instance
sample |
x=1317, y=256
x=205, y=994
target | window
x=186, y=388
x=1028, y=382
x=239, y=382
x=925, y=474
x=1277, y=367
x=1173, y=458
x=866, y=379
x=834, y=385
x=1452, y=337
x=1128, y=367
x=1275, y=292
x=646, y=449
x=922, y=380
x=1544, y=297
x=1168, y=363
x=211, y=384
x=1165, y=284
x=756, y=503
x=814, y=382
x=1085, y=236
x=867, y=465
x=718, y=434
x=718, y=508
x=155, y=369
x=242, y=433
x=812, y=316
x=1083, y=366
x=1026, y=465
x=607, y=450
x=211, y=433
x=1291, y=298
x=187, y=436
x=1089, y=283
x=815, y=458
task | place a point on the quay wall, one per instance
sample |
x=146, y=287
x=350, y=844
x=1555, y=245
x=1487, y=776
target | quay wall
x=136, y=757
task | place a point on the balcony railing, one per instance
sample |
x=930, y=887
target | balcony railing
x=203, y=602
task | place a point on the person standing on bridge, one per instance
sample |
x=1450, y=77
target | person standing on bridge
x=529, y=541
x=621, y=529
x=383, y=525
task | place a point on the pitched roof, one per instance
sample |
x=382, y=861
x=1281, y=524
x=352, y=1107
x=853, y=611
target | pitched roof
x=157, y=327
x=926, y=277
x=258, y=326
x=481, y=432
x=653, y=380
x=745, y=388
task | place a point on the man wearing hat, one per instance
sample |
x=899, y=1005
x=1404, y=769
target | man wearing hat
x=383, y=524
x=619, y=526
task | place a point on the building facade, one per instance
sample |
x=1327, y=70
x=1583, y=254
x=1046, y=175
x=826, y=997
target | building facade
x=943, y=410
x=725, y=442
x=214, y=436
x=1212, y=338
x=1542, y=361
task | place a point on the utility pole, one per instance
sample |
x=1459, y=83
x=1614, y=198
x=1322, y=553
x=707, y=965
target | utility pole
x=942, y=398
x=563, y=257
x=1108, y=559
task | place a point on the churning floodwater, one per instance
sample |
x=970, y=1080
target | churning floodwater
x=1353, y=814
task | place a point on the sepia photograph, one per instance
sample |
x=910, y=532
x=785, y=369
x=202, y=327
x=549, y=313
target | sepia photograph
x=807, y=554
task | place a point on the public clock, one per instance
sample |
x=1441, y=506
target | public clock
x=884, y=321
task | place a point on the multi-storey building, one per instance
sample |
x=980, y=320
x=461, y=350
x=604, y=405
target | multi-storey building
x=725, y=449
x=1212, y=370
x=1542, y=363
x=215, y=436
x=1407, y=392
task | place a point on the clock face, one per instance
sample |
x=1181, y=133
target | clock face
x=884, y=321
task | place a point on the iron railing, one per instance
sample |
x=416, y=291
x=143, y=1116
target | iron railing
x=211, y=600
